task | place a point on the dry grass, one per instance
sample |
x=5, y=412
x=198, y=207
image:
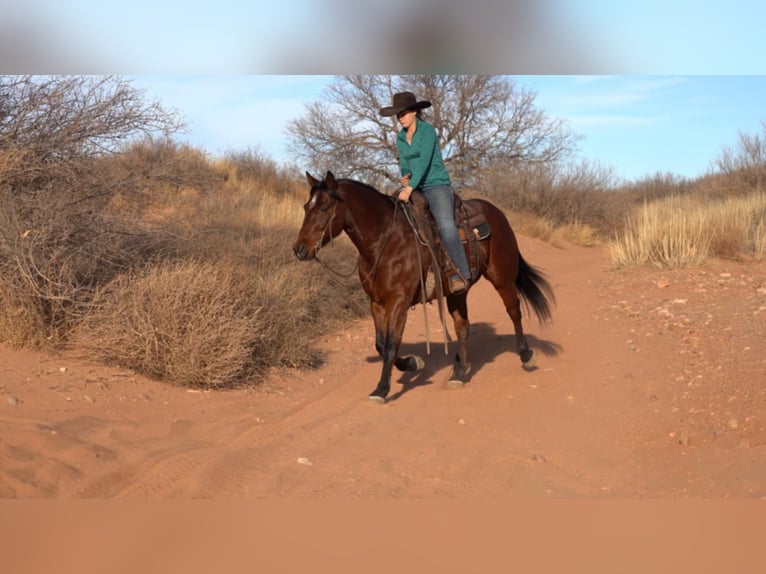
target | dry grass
x=558, y=235
x=531, y=225
x=739, y=227
x=684, y=230
x=663, y=234
x=576, y=234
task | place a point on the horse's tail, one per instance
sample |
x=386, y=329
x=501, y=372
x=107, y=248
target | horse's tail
x=535, y=290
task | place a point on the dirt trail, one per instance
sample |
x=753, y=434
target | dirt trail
x=649, y=384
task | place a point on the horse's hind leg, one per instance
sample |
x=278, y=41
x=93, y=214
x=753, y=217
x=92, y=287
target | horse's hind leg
x=458, y=308
x=526, y=354
x=510, y=296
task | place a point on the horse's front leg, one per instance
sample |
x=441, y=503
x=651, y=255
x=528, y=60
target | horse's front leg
x=389, y=328
x=458, y=308
x=405, y=363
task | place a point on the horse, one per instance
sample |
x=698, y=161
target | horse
x=392, y=264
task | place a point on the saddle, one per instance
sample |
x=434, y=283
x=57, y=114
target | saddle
x=472, y=227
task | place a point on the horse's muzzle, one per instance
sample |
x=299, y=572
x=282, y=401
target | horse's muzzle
x=301, y=252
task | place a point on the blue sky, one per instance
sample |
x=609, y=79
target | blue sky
x=651, y=85
x=636, y=125
x=641, y=125
x=340, y=36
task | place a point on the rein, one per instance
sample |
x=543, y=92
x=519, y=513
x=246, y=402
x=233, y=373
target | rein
x=327, y=228
x=437, y=281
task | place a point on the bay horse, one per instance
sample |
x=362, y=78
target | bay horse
x=391, y=269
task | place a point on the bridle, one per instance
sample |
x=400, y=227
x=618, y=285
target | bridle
x=327, y=226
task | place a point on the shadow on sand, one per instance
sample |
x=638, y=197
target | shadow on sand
x=484, y=346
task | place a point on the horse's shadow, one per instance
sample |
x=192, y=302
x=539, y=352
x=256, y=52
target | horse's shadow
x=484, y=346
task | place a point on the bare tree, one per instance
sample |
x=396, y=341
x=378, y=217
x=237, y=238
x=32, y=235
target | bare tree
x=745, y=165
x=58, y=238
x=481, y=121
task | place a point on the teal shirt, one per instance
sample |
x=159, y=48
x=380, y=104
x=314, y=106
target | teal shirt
x=423, y=158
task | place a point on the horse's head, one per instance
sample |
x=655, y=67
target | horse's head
x=320, y=223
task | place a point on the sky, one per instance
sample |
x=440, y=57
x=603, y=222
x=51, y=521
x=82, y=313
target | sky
x=343, y=36
x=636, y=125
x=652, y=86
x=644, y=125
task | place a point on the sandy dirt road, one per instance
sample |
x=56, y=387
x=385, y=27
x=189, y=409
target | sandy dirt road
x=649, y=384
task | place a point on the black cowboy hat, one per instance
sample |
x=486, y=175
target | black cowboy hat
x=404, y=101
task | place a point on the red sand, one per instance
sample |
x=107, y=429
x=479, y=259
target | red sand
x=650, y=384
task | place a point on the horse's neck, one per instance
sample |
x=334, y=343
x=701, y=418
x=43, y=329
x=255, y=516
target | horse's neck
x=369, y=221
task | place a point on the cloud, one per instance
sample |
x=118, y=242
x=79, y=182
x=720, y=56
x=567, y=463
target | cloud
x=619, y=91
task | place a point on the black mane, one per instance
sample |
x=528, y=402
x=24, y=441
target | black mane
x=367, y=187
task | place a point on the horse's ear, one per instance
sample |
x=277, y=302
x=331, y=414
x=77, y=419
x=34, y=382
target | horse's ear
x=311, y=179
x=330, y=181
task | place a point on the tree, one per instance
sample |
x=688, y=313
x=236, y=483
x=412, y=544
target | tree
x=745, y=165
x=481, y=121
x=59, y=240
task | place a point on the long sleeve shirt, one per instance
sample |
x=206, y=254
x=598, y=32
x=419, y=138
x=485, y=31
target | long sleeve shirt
x=422, y=159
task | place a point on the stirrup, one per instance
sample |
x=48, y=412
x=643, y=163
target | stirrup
x=457, y=284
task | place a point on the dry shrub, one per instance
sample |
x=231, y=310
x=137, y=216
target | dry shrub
x=242, y=222
x=233, y=302
x=247, y=218
x=252, y=168
x=744, y=164
x=656, y=186
x=572, y=195
x=60, y=239
x=55, y=251
x=201, y=324
x=166, y=177
x=21, y=322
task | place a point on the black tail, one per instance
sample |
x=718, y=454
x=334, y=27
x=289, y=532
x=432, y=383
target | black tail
x=535, y=291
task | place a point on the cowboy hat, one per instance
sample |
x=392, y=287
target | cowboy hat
x=404, y=101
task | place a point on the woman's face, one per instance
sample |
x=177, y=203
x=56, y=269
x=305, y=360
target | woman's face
x=406, y=118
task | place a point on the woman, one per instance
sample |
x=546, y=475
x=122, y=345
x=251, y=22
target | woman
x=422, y=168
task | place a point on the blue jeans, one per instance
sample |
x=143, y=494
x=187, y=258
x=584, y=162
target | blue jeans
x=441, y=203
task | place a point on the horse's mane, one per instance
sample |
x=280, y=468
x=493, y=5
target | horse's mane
x=367, y=187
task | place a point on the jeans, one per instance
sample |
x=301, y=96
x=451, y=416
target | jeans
x=441, y=203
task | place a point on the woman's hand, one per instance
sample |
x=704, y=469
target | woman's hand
x=404, y=194
x=405, y=180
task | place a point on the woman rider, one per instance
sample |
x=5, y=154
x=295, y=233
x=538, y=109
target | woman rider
x=422, y=168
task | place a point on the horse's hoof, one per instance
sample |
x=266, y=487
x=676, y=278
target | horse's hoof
x=455, y=384
x=420, y=364
x=530, y=364
x=410, y=363
x=375, y=400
